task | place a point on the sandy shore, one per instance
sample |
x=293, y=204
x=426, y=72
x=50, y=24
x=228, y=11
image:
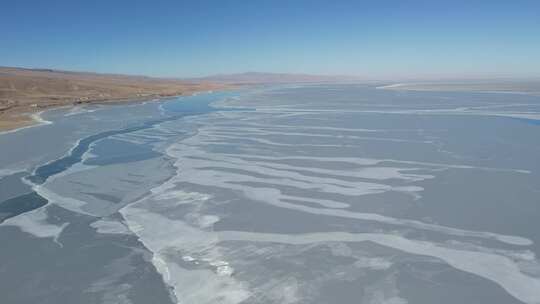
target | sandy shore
x=24, y=93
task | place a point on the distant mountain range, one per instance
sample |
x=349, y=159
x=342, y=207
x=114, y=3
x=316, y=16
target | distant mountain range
x=272, y=78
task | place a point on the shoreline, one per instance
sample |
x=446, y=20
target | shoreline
x=444, y=87
x=24, y=92
x=33, y=119
x=74, y=156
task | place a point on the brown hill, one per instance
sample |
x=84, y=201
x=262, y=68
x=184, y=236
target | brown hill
x=26, y=91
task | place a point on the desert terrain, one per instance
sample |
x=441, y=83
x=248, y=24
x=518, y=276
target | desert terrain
x=24, y=92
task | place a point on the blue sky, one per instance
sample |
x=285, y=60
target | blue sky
x=374, y=39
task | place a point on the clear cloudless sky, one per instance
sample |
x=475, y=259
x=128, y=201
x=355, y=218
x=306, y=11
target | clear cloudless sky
x=374, y=39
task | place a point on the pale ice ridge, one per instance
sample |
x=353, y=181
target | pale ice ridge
x=496, y=268
x=69, y=203
x=7, y=172
x=447, y=111
x=256, y=127
x=284, y=177
x=161, y=235
x=375, y=173
x=213, y=134
x=193, y=172
x=37, y=118
x=373, y=161
x=35, y=223
x=76, y=110
x=216, y=137
x=108, y=226
x=212, y=284
x=233, y=135
x=260, y=127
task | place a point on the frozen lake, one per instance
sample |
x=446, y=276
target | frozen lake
x=290, y=194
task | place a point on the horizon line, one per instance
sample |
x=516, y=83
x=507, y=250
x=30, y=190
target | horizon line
x=349, y=77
